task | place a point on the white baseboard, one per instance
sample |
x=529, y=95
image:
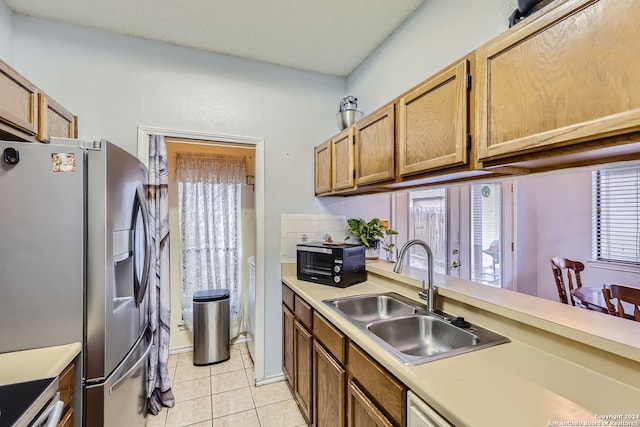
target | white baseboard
x=270, y=380
x=177, y=350
x=188, y=348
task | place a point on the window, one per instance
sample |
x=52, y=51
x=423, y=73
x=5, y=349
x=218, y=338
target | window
x=616, y=215
x=428, y=222
x=486, y=226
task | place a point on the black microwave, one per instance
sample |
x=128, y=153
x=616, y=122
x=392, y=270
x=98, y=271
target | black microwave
x=334, y=264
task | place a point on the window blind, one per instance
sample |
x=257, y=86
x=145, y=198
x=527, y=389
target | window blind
x=616, y=214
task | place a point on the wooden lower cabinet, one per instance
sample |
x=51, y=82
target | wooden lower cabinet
x=288, y=320
x=303, y=369
x=361, y=412
x=297, y=349
x=382, y=388
x=329, y=380
x=334, y=382
x=66, y=384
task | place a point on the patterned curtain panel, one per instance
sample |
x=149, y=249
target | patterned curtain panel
x=209, y=194
x=159, y=384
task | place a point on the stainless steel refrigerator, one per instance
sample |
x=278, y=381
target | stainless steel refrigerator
x=74, y=266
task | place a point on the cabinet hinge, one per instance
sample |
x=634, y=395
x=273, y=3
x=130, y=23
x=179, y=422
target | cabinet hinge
x=353, y=139
x=468, y=81
x=468, y=141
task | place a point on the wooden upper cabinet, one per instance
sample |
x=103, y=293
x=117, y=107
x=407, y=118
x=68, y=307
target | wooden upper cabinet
x=375, y=146
x=565, y=78
x=322, y=156
x=54, y=120
x=342, y=170
x=28, y=114
x=18, y=103
x=433, y=123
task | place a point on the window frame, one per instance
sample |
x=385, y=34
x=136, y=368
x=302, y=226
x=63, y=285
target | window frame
x=612, y=202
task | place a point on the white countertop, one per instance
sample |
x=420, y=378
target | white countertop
x=526, y=382
x=19, y=366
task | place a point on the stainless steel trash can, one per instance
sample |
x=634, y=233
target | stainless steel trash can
x=210, y=326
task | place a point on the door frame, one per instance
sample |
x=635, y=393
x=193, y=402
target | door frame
x=144, y=132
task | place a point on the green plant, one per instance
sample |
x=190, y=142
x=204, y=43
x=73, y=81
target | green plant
x=370, y=233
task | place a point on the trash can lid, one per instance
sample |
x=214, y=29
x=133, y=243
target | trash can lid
x=211, y=295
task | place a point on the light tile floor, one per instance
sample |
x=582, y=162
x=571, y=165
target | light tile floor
x=224, y=394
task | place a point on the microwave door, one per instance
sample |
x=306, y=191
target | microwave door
x=315, y=264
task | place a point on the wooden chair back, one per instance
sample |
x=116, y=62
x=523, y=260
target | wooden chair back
x=622, y=293
x=562, y=267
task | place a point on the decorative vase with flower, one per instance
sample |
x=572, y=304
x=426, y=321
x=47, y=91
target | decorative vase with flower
x=372, y=234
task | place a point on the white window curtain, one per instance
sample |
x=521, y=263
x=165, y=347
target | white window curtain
x=209, y=192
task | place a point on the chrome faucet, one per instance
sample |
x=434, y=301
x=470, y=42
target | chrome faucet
x=426, y=294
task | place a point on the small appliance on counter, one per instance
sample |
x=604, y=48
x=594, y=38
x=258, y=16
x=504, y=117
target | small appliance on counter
x=334, y=264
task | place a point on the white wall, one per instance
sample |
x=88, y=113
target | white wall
x=115, y=83
x=563, y=224
x=436, y=34
x=6, y=34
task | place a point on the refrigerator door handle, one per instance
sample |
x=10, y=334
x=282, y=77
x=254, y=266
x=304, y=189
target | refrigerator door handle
x=133, y=369
x=140, y=286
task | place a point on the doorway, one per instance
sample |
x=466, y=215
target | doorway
x=253, y=244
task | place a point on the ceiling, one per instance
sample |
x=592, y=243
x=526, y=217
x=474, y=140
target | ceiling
x=326, y=36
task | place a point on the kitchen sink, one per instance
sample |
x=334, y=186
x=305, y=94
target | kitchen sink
x=422, y=335
x=410, y=332
x=369, y=308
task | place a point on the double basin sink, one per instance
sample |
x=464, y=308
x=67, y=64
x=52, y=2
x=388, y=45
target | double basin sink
x=410, y=332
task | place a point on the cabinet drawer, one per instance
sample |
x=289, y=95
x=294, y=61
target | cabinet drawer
x=303, y=312
x=383, y=389
x=287, y=297
x=331, y=338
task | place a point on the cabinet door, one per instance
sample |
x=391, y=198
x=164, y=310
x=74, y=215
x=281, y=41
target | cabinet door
x=565, y=78
x=303, y=379
x=18, y=103
x=288, y=345
x=380, y=385
x=432, y=128
x=66, y=384
x=329, y=379
x=322, y=156
x=361, y=412
x=343, y=169
x=375, y=146
x=54, y=120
